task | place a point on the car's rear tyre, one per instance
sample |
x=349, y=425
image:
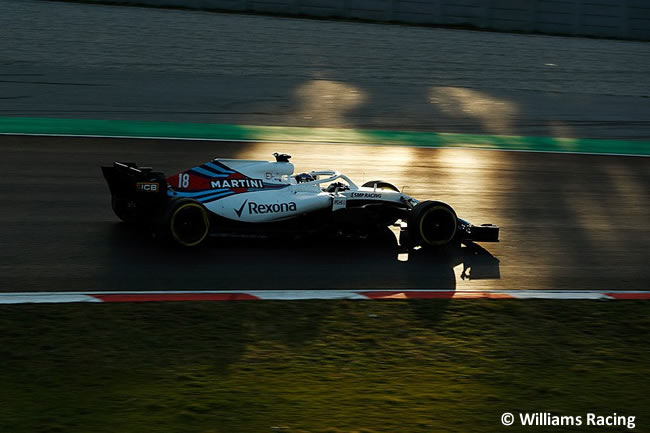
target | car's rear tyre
x=380, y=184
x=188, y=222
x=432, y=224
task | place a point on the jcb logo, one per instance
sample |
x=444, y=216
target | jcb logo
x=147, y=186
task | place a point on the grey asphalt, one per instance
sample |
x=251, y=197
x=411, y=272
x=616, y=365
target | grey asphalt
x=93, y=61
x=568, y=221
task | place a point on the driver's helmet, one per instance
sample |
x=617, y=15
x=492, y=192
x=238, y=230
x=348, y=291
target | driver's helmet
x=304, y=177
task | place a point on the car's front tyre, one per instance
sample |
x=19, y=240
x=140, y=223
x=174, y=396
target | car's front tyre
x=432, y=224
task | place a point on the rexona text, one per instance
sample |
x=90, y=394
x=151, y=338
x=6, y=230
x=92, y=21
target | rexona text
x=258, y=208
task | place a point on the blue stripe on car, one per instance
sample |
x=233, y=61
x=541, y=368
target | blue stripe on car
x=216, y=167
x=214, y=197
x=196, y=194
x=208, y=172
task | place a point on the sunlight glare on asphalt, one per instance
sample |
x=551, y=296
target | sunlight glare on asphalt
x=494, y=114
x=326, y=103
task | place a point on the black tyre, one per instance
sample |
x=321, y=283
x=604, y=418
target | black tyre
x=188, y=222
x=432, y=224
x=380, y=184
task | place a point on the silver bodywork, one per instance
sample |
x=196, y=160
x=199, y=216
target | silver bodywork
x=282, y=196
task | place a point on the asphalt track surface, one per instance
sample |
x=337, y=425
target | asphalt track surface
x=74, y=60
x=568, y=221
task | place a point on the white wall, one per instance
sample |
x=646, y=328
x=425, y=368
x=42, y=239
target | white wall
x=609, y=18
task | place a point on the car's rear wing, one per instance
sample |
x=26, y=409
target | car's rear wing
x=136, y=191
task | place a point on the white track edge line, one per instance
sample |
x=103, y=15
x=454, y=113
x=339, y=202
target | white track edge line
x=254, y=291
x=294, y=295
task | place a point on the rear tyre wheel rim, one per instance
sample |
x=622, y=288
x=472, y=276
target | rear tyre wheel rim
x=189, y=224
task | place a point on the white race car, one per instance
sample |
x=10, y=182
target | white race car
x=235, y=197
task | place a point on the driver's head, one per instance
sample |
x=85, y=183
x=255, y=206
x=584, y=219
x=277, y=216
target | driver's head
x=304, y=177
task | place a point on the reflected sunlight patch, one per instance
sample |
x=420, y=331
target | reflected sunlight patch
x=494, y=114
x=326, y=103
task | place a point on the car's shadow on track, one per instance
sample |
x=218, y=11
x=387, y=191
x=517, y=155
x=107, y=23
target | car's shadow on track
x=134, y=261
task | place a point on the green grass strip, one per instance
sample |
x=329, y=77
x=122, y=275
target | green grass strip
x=438, y=366
x=127, y=128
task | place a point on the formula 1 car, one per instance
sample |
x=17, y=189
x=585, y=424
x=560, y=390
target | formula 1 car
x=233, y=196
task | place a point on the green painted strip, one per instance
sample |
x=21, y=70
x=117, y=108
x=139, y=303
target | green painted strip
x=126, y=128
